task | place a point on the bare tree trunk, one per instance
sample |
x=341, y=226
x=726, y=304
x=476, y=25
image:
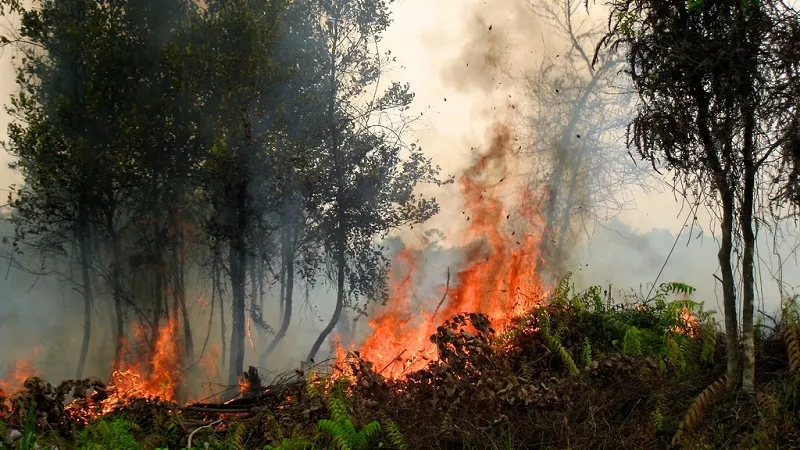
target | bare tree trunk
x=85, y=258
x=180, y=292
x=562, y=157
x=255, y=312
x=287, y=261
x=158, y=283
x=158, y=279
x=566, y=214
x=238, y=332
x=728, y=288
x=340, y=279
x=217, y=285
x=116, y=280
x=261, y=275
x=748, y=276
x=238, y=268
x=282, y=297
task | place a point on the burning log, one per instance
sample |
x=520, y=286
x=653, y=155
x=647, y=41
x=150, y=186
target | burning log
x=250, y=384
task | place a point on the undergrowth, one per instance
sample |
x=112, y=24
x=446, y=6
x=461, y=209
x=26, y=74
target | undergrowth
x=581, y=371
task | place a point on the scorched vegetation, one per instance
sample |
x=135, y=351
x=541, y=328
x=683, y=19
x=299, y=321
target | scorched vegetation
x=581, y=371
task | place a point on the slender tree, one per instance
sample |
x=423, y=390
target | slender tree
x=579, y=111
x=717, y=81
x=367, y=173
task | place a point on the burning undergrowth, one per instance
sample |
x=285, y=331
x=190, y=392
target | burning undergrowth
x=496, y=354
x=501, y=274
x=577, y=371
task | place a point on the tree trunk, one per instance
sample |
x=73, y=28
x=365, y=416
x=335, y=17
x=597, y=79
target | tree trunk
x=85, y=258
x=180, y=292
x=748, y=276
x=282, y=297
x=158, y=280
x=217, y=282
x=340, y=279
x=116, y=280
x=562, y=157
x=238, y=272
x=287, y=261
x=261, y=275
x=566, y=214
x=728, y=288
x=158, y=310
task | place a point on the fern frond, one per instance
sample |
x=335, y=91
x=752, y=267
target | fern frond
x=396, y=438
x=561, y=292
x=340, y=443
x=331, y=427
x=632, y=342
x=370, y=429
x=555, y=345
x=791, y=338
x=695, y=412
x=237, y=439
x=445, y=421
x=587, y=352
x=767, y=404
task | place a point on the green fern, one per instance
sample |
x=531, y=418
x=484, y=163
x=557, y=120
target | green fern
x=561, y=292
x=555, y=345
x=341, y=428
x=116, y=434
x=446, y=421
x=632, y=342
x=237, y=438
x=396, y=438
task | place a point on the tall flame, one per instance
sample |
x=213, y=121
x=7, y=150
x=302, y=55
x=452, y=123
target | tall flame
x=499, y=280
x=148, y=373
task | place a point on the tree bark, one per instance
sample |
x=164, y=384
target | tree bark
x=180, y=292
x=728, y=288
x=238, y=332
x=340, y=281
x=116, y=280
x=727, y=201
x=282, y=297
x=238, y=268
x=287, y=261
x=217, y=285
x=748, y=263
x=85, y=258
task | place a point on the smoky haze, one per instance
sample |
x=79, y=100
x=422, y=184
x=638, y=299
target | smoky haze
x=471, y=64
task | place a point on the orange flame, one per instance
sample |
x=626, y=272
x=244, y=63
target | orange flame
x=148, y=374
x=19, y=371
x=499, y=280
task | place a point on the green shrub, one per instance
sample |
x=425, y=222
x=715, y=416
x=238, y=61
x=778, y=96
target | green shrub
x=104, y=434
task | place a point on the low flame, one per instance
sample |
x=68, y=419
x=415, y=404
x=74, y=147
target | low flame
x=19, y=371
x=153, y=374
x=499, y=280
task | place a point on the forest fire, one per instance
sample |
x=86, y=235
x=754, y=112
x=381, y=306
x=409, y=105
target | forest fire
x=18, y=371
x=499, y=280
x=147, y=373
